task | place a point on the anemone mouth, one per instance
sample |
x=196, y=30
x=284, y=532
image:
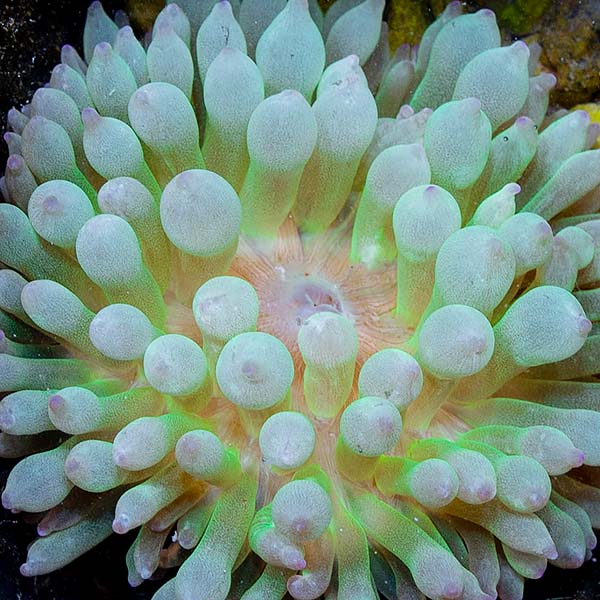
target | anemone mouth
x=296, y=276
x=306, y=318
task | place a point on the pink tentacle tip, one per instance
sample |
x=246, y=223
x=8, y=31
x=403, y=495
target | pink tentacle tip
x=472, y=105
x=121, y=524
x=56, y=403
x=578, y=458
x=51, y=204
x=125, y=32
x=120, y=458
x=539, y=572
x=7, y=419
x=145, y=572
x=520, y=46
x=27, y=569
x=550, y=552
x=72, y=465
x=59, y=70
x=487, y=13
x=299, y=565
x=90, y=117
x=406, y=111
x=485, y=492
x=224, y=7
x=584, y=325
x=444, y=491
x=7, y=501
x=524, y=122
x=452, y=590
x=536, y=500
x=103, y=50
x=15, y=163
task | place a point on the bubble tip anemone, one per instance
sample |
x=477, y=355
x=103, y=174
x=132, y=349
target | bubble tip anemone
x=328, y=308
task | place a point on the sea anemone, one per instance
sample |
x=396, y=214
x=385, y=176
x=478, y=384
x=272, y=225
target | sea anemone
x=314, y=319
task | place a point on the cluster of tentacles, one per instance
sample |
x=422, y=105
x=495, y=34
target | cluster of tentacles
x=317, y=319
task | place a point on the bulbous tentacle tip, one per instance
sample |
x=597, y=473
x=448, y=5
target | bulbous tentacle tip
x=583, y=326
x=486, y=491
x=471, y=106
x=145, y=572
x=546, y=81
x=15, y=163
x=452, y=591
x=7, y=419
x=7, y=500
x=51, y=204
x=486, y=13
x=536, y=501
x=59, y=70
x=512, y=188
x=125, y=32
x=446, y=492
x=90, y=117
x=406, y=111
x=190, y=446
x=293, y=560
x=141, y=97
x=72, y=466
x=56, y=403
x=525, y=123
x=579, y=118
x=120, y=457
x=103, y=51
x=95, y=7
x=550, y=552
x=121, y=524
x=27, y=569
x=572, y=558
x=186, y=180
x=352, y=60
x=538, y=573
x=186, y=537
x=578, y=458
x=519, y=48
x=542, y=232
x=172, y=9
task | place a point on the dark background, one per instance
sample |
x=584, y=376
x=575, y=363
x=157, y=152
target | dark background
x=31, y=33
